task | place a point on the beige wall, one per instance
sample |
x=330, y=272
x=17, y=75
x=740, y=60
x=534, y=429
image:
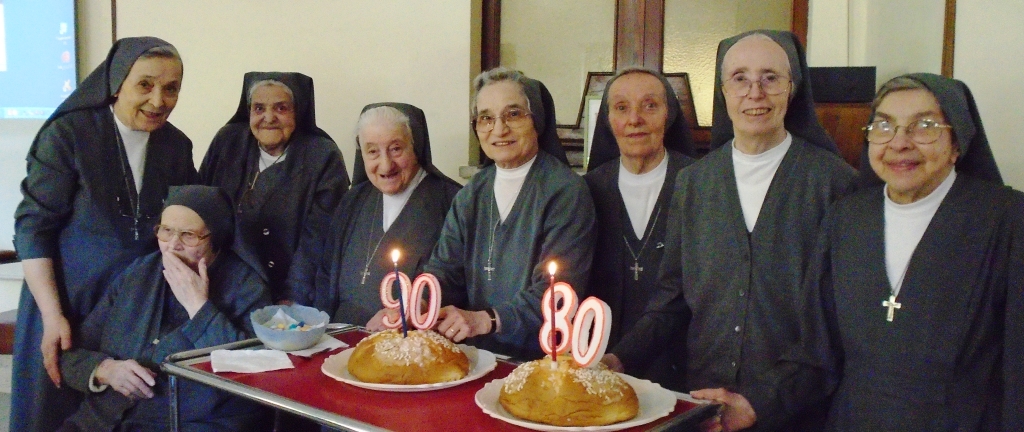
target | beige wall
x=989, y=57
x=558, y=42
x=358, y=52
x=693, y=29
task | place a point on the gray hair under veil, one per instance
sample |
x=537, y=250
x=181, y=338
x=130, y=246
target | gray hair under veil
x=212, y=204
x=268, y=83
x=97, y=90
x=303, y=98
x=416, y=122
x=604, y=146
x=801, y=119
x=961, y=112
x=540, y=104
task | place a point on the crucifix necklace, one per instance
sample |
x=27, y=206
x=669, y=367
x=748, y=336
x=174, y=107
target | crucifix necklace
x=370, y=255
x=134, y=205
x=891, y=303
x=636, y=256
x=490, y=247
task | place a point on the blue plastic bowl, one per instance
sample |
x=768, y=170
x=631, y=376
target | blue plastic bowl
x=289, y=340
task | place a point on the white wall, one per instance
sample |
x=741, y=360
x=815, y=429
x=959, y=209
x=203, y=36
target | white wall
x=989, y=57
x=558, y=42
x=693, y=29
x=358, y=52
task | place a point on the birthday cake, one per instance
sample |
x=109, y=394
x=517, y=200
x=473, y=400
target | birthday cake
x=424, y=357
x=567, y=394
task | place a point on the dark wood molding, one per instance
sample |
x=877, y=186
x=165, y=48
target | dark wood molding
x=799, y=20
x=654, y=34
x=490, y=35
x=948, y=38
x=628, y=33
x=113, y=21
x=639, y=33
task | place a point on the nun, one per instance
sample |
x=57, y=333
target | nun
x=641, y=141
x=515, y=216
x=923, y=272
x=285, y=175
x=741, y=232
x=97, y=173
x=398, y=200
x=195, y=292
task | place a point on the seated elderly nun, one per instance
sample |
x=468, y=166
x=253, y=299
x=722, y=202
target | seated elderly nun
x=641, y=141
x=194, y=292
x=741, y=230
x=97, y=173
x=923, y=275
x=510, y=220
x=285, y=175
x=398, y=200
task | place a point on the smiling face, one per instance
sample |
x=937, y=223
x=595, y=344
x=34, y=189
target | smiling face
x=181, y=218
x=911, y=170
x=757, y=118
x=638, y=111
x=149, y=93
x=272, y=117
x=509, y=147
x=388, y=156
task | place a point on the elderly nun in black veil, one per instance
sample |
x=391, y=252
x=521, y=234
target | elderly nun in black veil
x=97, y=174
x=741, y=232
x=285, y=174
x=195, y=292
x=641, y=141
x=510, y=220
x=398, y=200
x=923, y=276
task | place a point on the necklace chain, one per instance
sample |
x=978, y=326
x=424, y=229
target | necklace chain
x=133, y=204
x=636, y=256
x=369, y=255
x=490, y=247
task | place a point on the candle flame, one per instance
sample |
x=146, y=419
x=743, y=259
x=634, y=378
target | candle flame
x=552, y=267
x=394, y=256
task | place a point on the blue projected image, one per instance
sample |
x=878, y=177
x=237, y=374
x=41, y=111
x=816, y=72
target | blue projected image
x=37, y=56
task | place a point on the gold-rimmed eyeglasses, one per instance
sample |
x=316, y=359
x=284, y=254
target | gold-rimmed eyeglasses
x=773, y=84
x=189, y=238
x=925, y=131
x=512, y=117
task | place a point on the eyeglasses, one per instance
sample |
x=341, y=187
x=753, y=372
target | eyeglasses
x=925, y=131
x=512, y=117
x=189, y=238
x=772, y=84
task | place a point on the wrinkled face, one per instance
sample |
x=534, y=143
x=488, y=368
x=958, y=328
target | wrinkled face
x=181, y=219
x=271, y=116
x=757, y=117
x=388, y=156
x=148, y=95
x=509, y=147
x=911, y=170
x=637, y=111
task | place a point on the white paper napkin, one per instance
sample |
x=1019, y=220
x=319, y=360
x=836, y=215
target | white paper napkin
x=249, y=361
x=326, y=343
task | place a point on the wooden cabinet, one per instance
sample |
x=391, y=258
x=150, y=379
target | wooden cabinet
x=843, y=122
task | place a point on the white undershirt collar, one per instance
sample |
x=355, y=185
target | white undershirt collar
x=507, y=184
x=905, y=225
x=135, y=143
x=393, y=204
x=640, y=193
x=754, y=174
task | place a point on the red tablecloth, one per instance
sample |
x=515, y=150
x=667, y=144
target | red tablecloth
x=451, y=409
